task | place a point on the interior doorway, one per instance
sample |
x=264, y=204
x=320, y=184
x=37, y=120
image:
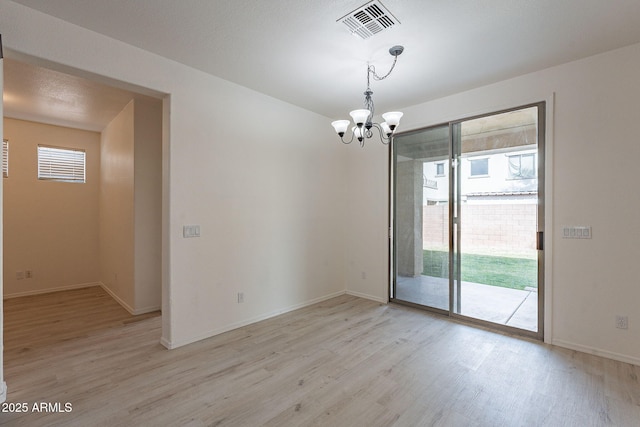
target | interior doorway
x=469, y=216
x=66, y=102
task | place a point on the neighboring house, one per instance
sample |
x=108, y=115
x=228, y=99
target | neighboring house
x=502, y=177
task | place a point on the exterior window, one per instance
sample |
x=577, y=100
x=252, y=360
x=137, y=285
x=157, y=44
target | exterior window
x=522, y=166
x=5, y=158
x=439, y=169
x=61, y=164
x=479, y=167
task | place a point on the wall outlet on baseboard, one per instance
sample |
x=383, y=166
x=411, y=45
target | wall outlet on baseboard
x=622, y=322
x=240, y=297
x=28, y=274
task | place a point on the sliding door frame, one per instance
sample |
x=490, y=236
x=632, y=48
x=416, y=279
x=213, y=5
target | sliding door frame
x=455, y=226
x=392, y=223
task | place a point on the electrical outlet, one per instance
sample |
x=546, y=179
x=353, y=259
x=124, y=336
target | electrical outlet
x=19, y=275
x=622, y=322
x=28, y=274
x=240, y=297
x=363, y=275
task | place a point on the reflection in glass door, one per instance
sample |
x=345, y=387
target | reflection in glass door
x=468, y=218
x=498, y=215
x=422, y=173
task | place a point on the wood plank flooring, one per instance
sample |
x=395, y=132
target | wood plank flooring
x=343, y=362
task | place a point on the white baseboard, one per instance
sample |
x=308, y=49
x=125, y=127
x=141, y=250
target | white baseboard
x=82, y=286
x=597, y=352
x=179, y=343
x=367, y=296
x=165, y=342
x=146, y=310
x=131, y=310
x=117, y=298
x=50, y=290
x=3, y=391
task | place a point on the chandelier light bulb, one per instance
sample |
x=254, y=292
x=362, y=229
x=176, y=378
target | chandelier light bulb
x=386, y=129
x=340, y=126
x=392, y=118
x=360, y=116
x=358, y=132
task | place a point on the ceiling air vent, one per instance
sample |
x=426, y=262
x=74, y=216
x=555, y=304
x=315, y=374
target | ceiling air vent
x=369, y=19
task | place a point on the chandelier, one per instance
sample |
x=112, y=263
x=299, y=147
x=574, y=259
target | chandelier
x=363, y=118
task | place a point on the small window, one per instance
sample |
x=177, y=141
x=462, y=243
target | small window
x=479, y=167
x=61, y=164
x=439, y=169
x=522, y=166
x=5, y=158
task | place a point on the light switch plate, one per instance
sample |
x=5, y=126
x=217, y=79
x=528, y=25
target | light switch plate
x=190, y=231
x=576, y=232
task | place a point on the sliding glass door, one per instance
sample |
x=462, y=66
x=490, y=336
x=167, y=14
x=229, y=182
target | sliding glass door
x=468, y=218
x=422, y=169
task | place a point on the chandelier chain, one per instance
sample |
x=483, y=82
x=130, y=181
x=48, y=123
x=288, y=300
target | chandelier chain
x=372, y=70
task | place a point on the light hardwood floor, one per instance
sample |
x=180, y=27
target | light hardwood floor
x=343, y=362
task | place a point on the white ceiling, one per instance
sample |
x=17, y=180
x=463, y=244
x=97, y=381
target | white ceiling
x=296, y=51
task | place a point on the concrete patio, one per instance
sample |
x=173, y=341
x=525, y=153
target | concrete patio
x=511, y=307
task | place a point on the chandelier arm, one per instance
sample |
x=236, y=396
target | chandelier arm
x=350, y=141
x=384, y=139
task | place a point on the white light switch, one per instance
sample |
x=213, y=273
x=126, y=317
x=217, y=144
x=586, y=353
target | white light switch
x=190, y=231
x=576, y=232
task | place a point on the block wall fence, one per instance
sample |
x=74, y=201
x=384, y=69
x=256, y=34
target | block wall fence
x=504, y=227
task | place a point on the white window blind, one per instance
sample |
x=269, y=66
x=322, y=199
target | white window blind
x=522, y=166
x=61, y=164
x=5, y=158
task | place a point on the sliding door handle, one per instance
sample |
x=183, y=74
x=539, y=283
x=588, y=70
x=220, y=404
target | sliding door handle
x=540, y=240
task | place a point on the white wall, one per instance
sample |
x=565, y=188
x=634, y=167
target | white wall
x=147, y=204
x=268, y=197
x=131, y=206
x=594, y=153
x=117, y=207
x=367, y=219
x=50, y=228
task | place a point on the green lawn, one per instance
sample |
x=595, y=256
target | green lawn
x=506, y=272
